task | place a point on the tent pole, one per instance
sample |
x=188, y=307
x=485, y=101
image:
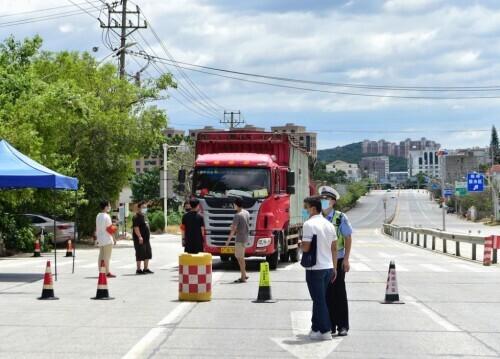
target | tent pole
x=55, y=235
x=75, y=227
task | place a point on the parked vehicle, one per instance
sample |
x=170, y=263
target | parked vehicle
x=270, y=174
x=64, y=230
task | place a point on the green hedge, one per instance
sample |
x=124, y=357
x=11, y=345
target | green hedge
x=156, y=221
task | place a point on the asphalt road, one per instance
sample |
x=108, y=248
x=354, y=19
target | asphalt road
x=450, y=311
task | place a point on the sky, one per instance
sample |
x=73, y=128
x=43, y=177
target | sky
x=405, y=43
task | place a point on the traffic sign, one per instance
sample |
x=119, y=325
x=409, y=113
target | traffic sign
x=448, y=192
x=460, y=192
x=475, y=182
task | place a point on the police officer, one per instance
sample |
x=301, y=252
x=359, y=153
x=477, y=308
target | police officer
x=336, y=292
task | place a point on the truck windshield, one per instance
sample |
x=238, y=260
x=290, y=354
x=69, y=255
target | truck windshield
x=229, y=181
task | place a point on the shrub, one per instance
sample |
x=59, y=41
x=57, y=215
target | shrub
x=174, y=218
x=156, y=221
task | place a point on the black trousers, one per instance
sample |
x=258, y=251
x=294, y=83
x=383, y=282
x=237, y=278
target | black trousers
x=336, y=299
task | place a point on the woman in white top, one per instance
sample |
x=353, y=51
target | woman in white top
x=105, y=239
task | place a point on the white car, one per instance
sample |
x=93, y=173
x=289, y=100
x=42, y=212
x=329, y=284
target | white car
x=64, y=230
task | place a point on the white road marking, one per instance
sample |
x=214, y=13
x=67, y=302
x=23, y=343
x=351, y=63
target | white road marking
x=435, y=268
x=170, y=265
x=435, y=317
x=360, y=257
x=300, y=346
x=359, y=267
x=172, y=318
x=470, y=267
x=385, y=255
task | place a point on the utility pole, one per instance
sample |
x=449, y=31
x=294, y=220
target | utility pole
x=126, y=26
x=233, y=121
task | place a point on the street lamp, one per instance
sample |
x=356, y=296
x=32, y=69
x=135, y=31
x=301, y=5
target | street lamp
x=166, y=146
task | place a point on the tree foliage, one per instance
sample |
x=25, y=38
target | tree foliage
x=77, y=118
x=494, y=146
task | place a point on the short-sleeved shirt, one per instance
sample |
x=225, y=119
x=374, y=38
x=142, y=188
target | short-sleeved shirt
x=325, y=236
x=345, y=229
x=193, y=223
x=242, y=223
x=141, y=221
x=104, y=238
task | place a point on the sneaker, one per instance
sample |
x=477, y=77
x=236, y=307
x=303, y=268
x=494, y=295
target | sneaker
x=325, y=336
x=139, y=271
x=314, y=335
x=110, y=275
x=342, y=332
x=147, y=271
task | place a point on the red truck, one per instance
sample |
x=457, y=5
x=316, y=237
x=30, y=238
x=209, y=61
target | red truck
x=269, y=173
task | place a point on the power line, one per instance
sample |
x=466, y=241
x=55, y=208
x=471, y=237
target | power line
x=185, y=92
x=347, y=85
x=41, y=10
x=163, y=60
x=60, y=15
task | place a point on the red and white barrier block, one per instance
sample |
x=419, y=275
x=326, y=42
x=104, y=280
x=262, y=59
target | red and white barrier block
x=490, y=243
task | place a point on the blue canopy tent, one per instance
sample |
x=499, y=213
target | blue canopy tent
x=19, y=171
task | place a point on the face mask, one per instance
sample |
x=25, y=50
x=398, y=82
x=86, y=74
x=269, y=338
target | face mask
x=305, y=214
x=325, y=204
x=144, y=210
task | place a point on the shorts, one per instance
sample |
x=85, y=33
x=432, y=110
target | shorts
x=142, y=251
x=239, y=250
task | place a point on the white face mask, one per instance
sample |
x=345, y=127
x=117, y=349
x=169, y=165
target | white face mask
x=108, y=209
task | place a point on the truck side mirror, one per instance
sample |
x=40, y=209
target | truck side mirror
x=181, y=177
x=290, y=178
x=290, y=190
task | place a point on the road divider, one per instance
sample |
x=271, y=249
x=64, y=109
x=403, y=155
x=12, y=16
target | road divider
x=427, y=238
x=195, y=277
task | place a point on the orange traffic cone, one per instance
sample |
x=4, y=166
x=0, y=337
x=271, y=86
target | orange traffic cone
x=391, y=291
x=69, y=248
x=48, y=285
x=102, y=284
x=36, y=252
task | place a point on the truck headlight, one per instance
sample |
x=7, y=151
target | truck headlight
x=264, y=242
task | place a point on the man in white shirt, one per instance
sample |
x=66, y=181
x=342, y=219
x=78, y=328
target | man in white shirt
x=323, y=272
x=105, y=240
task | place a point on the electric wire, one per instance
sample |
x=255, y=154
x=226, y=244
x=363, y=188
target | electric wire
x=56, y=16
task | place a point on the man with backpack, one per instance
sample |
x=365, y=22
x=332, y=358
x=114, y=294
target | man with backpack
x=336, y=292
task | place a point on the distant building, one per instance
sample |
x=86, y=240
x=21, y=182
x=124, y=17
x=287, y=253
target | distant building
x=396, y=179
x=425, y=161
x=375, y=168
x=172, y=132
x=147, y=164
x=383, y=147
x=457, y=163
x=299, y=135
x=351, y=169
x=193, y=133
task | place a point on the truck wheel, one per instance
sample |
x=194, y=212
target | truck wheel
x=294, y=255
x=224, y=258
x=273, y=260
x=282, y=248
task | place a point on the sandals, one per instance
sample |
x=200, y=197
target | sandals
x=239, y=280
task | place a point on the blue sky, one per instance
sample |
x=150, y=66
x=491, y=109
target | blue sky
x=396, y=42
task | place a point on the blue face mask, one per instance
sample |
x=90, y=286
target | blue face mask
x=305, y=214
x=325, y=203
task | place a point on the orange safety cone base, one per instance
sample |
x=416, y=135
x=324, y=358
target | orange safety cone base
x=48, y=296
x=69, y=249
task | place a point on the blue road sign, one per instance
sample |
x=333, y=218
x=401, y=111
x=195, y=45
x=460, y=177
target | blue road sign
x=435, y=186
x=448, y=192
x=475, y=182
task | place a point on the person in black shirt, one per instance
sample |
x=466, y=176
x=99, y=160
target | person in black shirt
x=141, y=238
x=194, y=229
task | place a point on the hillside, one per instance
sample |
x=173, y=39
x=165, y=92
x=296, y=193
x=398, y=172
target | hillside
x=352, y=153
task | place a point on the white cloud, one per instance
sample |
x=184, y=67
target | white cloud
x=66, y=28
x=409, y=5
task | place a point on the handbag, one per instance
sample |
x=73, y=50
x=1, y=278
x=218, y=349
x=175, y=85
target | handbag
x=309, y=258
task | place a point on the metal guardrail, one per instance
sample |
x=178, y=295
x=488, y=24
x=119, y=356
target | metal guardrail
x=427, y=238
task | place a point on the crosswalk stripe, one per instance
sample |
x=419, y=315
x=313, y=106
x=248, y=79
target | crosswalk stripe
x=360, y=267
x=434, y=268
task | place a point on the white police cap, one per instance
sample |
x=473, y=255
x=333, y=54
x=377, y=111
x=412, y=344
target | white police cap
x=328, y=191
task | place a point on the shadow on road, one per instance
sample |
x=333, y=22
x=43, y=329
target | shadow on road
x=20, y=277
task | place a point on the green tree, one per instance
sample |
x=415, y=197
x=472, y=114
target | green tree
x=494, y=146
x=146, y=186
x=78, y=118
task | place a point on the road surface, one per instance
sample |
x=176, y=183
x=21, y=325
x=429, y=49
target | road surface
x=451, y=311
